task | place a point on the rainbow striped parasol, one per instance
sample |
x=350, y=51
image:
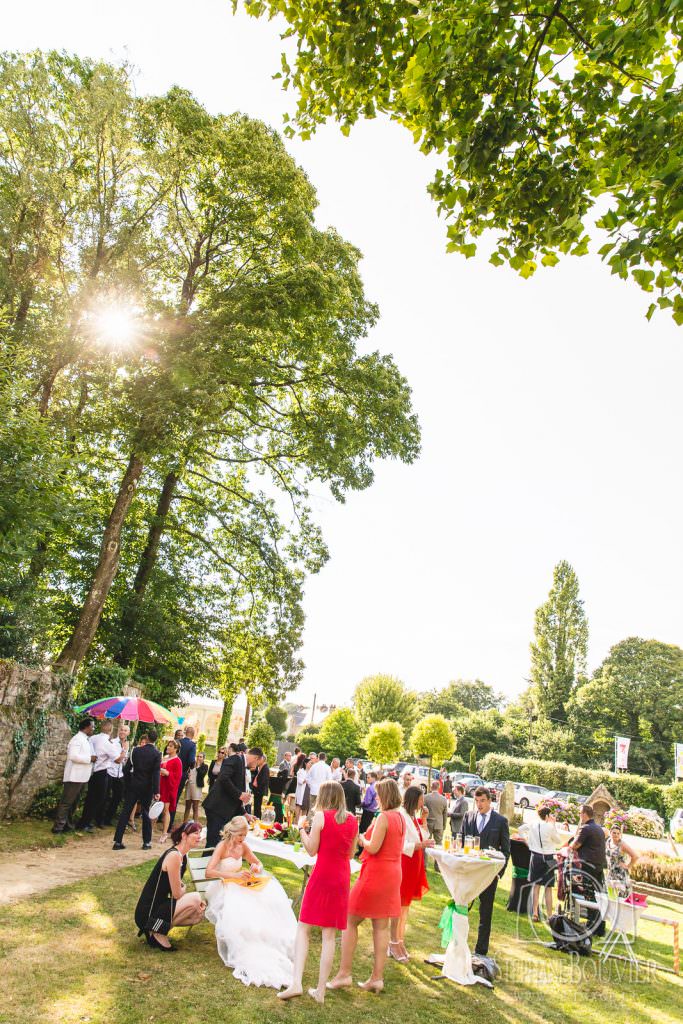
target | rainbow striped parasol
x=132, y=709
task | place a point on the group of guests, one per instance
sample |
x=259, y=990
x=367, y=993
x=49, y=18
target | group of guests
x=113, y=774
x=257, y=934
x=596, y=859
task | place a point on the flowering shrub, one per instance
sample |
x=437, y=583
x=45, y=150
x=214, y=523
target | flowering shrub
x=563, y=812
x=636, y=822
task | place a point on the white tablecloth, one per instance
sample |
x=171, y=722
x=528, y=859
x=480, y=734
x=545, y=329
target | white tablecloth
x=284, y=851
x=465, y=877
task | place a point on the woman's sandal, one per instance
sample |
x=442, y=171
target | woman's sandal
x=399, y=957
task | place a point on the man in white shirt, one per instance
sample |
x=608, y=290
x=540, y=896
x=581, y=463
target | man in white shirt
x=335, y=769
x=98, y=783
x=115, y=773
x=318, y=773
x=79, y=759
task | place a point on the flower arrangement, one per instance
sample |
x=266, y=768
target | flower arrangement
x=635, y=821
x=565, y=812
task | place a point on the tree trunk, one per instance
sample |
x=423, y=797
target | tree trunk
x=131, y=611
x=79, y=643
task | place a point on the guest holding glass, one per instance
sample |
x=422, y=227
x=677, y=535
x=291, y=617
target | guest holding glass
x=414, y=882
x=376, y=896
x=326, y=900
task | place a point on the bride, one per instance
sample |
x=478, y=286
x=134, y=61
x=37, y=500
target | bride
x=254, y=921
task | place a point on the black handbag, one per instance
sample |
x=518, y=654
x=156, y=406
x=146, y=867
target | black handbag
x=568, y=936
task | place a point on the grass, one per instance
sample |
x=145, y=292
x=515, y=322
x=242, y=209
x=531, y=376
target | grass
x=28, y=834
x=71, y=956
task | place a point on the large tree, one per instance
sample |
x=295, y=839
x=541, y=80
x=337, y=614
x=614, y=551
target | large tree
x=558, y=651
x=382, y=698
x=154, y=505
x=636, y=692
x=539, y=111
x=458, y=696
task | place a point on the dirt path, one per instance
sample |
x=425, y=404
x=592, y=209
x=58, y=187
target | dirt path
x=28, y=872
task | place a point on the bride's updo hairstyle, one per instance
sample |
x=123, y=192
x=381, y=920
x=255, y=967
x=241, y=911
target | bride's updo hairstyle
x=331, y=798
x=234, y=828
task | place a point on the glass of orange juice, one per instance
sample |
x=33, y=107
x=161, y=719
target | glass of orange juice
x=446, y=843
x=467, y=844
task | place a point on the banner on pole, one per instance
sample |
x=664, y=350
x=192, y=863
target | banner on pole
x=621, y=743
x=678, y=761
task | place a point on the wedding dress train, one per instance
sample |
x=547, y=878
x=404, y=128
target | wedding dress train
x=255, y=929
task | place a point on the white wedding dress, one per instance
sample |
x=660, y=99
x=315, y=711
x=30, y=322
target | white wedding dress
x=255, y=929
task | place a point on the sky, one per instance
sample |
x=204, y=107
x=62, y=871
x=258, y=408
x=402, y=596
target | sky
x=550, y=409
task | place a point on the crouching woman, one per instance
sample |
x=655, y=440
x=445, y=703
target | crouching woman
x=164, y=902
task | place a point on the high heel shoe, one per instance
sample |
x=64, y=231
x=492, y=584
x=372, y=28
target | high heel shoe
x=372, y=986
x=396, y=956
x=334, y=985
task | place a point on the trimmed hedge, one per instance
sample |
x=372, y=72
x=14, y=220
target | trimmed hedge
x=673, y=798
x=630, y=790
x=655, y=870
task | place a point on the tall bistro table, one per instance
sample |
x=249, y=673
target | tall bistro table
x=284, y=851
x=465, y=877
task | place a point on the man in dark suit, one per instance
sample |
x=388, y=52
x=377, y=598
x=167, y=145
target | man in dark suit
x=352, y=793
x=141, y=773
x=589, y=842
x=494, y=833
x=260, y=781
x=187, y=752
x=228, y=796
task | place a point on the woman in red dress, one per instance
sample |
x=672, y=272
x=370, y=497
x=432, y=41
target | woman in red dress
x=326, y=901
x=170, y=774
x=377, y=893
x=414, y=882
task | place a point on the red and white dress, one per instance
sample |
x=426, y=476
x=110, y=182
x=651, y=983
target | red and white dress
x=414, y=882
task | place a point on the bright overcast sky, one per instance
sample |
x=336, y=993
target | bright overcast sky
x=550, y=409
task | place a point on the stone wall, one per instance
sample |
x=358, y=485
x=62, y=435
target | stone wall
x=33, y=734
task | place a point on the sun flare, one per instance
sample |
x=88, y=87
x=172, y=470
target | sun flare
x=116, y=325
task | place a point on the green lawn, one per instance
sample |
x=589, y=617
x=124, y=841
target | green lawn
x=71, y=955
x=28, y=834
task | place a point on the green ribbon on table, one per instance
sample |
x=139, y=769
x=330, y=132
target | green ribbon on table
x=446, y=921
x=520, y=872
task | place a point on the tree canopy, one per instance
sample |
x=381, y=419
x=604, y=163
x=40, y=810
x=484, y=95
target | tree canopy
x=558, y=651
x=340, y=735
x=548, y=116
x=433, y=737
x=182, y=354
x=385, y=742
x=636, y=692
x=383, y=698
x=458, y=696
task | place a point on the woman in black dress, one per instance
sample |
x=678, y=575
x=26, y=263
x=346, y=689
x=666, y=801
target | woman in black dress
x=164, y=902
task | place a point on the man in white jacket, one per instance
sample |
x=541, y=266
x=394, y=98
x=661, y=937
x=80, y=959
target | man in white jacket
x=79, y=761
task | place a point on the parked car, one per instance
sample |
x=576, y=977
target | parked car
x=529, y=796
x=566, y=797
x=468, y=780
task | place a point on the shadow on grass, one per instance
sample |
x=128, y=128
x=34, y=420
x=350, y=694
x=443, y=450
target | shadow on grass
x=71, y=955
